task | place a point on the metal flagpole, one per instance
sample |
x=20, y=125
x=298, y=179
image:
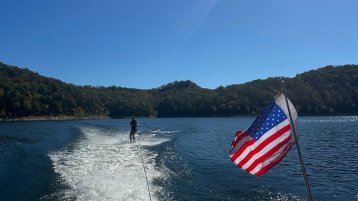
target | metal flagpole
x=298, y=147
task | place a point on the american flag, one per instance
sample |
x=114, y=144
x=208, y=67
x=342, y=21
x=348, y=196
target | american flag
x=266, y=142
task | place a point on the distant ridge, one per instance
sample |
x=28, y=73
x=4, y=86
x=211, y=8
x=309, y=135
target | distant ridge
x=331, y=90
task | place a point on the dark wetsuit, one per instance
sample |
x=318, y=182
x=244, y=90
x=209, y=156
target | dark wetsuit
x=134, y=125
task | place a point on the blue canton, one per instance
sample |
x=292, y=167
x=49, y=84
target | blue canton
x=267, y=119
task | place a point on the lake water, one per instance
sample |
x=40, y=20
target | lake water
x=185, y=159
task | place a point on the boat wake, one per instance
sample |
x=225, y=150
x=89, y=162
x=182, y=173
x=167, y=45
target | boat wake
x=151, y=140
x=105, y=166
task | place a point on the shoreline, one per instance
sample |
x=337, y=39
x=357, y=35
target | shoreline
x=71, y=118
x=54, y=118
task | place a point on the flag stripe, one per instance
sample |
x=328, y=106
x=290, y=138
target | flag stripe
x=253, y=144
x=243, y=142
x=273, y=163
x=268, y=154
x=270, y=160
x=262, y=147
x=241, y=149
x=239, y=136
x=272, y=157
x=239, y=133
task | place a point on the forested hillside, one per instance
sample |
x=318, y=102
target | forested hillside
x=332, y=90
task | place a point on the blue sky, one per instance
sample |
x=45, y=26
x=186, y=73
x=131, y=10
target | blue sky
x=145, y=44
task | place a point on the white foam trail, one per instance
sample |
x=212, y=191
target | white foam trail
x=105, y=167
x=163, y=131
x=149, y=141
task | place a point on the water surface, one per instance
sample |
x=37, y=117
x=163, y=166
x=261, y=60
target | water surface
x=185, y=159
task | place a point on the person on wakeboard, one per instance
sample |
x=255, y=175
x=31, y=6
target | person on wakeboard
x=134, y=125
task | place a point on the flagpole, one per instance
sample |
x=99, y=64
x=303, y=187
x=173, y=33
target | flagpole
x=308, y=187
